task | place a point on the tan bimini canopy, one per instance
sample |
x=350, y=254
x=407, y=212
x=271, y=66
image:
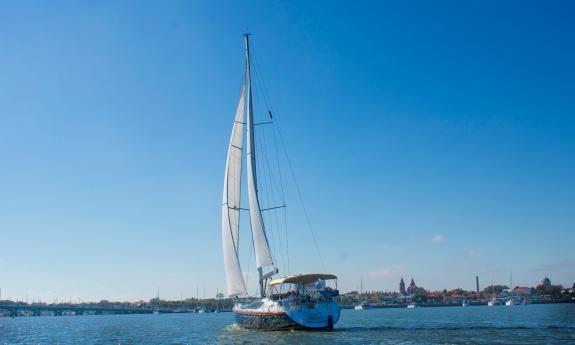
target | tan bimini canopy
x=303, y=279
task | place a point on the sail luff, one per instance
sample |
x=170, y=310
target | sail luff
x=231, y=203
x=261, y=245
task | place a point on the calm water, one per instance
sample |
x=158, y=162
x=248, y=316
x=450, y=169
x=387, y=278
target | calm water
x=531, y=324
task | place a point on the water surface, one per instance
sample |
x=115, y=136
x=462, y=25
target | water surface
x=530, y=324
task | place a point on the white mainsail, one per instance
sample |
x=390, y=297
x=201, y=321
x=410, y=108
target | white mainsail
x=231, y=204
x=261, y=245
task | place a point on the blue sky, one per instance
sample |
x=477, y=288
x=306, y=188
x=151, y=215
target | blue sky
x=429, y=139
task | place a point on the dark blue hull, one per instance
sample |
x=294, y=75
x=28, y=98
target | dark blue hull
x=271, y=321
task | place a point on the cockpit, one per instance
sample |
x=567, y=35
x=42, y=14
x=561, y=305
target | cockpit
x=304, y=288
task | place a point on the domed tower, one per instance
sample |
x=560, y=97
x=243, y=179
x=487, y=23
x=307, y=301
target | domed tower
x=546, y=282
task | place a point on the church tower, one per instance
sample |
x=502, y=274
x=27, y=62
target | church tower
x=412, y=288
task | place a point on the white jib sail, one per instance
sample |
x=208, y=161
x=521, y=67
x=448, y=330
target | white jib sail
x=231, y=204
x=261, y=245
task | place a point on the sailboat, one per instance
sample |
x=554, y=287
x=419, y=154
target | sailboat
x=363, y=304
x=299, y=301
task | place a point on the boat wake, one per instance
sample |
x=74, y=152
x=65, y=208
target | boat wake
x=233, y=328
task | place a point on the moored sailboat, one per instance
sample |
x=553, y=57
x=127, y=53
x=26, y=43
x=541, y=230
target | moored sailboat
x=291, y=302
x=363, y=304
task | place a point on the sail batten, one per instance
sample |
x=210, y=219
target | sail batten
x=231, y=203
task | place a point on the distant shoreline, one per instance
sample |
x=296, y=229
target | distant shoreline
x=431, y=305
x=16, y=310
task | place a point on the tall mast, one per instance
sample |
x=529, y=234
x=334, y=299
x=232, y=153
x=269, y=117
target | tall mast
x=260, y=241
x=251, y=147
x=250, y=115
x=510, y=280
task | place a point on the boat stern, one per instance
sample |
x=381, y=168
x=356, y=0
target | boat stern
x=320, y=315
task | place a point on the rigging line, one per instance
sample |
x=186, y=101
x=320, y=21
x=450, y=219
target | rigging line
x=300, y=197
x=274, y=191
x=279, y=233
x=265, y=93
x=259, y=181
x=282, y=193
x=269, y=194
x=263, y=163
x=264, y=144
x=264, y=135
x=280, y=240
x=287, y=242
x=278, y=165
x=266, y=167
x=262, y=187
x=260, y=79
x=276, y=228
x=282, y=196
x=247, y=209
x=272, y=208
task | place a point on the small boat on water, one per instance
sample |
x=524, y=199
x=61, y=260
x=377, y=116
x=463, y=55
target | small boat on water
x=510, y=302
x=412, y=305
x=514, y=301
x=302, y=301
x=465, y=304
x=492, y=302
x=203, y=310
x=362, y=306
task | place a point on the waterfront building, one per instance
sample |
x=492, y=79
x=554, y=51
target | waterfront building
x=546, y=282
x=434, y=297
x=521, y=291
x=455, y=299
